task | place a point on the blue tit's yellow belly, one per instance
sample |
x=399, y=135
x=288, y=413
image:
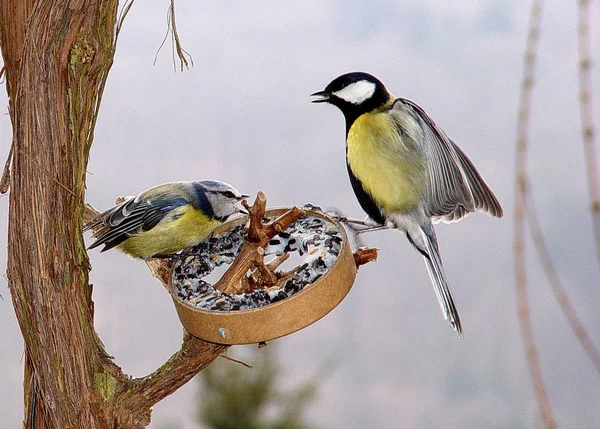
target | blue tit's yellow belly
x=390, y=169
x=182, y=227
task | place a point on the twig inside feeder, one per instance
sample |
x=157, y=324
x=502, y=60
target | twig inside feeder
x=252, y=253
x=277, y=261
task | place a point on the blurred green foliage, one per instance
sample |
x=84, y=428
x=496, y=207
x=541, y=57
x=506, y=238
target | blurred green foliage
x=233, y=396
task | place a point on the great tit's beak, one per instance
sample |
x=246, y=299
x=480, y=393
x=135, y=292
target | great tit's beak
x=243, y=196
x=321, y=97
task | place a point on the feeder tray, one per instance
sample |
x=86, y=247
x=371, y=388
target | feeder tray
x=277, y=319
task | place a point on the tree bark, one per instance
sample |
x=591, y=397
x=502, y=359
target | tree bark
x=57, y=55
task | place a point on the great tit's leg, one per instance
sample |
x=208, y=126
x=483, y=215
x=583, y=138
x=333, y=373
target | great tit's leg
x=368, y=224
x=372, y=228
x=362, y=222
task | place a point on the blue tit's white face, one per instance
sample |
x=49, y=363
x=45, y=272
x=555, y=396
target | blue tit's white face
x=357, y=92
x=224, y=198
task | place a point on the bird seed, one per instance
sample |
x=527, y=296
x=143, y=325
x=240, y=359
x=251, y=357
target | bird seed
x=318, y=243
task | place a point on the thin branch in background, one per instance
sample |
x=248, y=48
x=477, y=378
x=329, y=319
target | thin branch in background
x=587, y=126
x=567, y=308
x=239, y=362
x=182, y=54
x=124, y=11
x=122, y=15
x=520, y=214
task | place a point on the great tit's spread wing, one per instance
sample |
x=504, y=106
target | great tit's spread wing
x=454, y=187
x=131, y=216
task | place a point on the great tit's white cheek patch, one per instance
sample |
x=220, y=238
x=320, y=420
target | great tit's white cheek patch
x=356, y=92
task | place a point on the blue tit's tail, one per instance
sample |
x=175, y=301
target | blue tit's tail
x=427, y=244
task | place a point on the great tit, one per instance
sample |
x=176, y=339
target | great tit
x=405, y=171
x=166, y=218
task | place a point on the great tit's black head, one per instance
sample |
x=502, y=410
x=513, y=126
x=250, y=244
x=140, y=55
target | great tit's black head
x=354, y=94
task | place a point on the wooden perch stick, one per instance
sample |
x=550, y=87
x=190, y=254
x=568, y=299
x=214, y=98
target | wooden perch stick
x=364, y=255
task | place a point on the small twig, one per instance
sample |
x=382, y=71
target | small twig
x=268, y=278
x=283, y=277
x=224, y=356
x=124, y=11
x=5, y=180
x=276, y=262
x=176, y=43
x=89, y=212
x=557, y=287
x=364, y=255
x=47, y=174
x=282, y=222
x=256, y=212
x=181, y=53
x=587, y=118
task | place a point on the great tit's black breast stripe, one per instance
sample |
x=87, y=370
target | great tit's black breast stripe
x=365, y=200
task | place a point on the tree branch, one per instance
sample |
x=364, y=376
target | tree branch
x=194, y=355
x=143, y=393
x=521, y=196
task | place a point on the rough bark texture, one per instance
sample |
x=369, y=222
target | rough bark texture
x=57, y=55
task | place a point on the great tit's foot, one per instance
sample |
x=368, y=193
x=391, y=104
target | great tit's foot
x=365, y=225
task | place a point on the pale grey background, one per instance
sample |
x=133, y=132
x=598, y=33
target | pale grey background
x=243, y=115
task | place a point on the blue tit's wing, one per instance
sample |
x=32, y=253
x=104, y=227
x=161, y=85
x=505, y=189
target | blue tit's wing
x=454, y=186
x=137, y=214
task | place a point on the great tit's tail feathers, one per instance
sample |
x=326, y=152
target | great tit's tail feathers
x=428, y=247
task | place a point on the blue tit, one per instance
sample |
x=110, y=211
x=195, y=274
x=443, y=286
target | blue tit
x=166, y=218
x=405, y=170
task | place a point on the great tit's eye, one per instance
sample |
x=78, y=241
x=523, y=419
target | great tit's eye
x=229, y=194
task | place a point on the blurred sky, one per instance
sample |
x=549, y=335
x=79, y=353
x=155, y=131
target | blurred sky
x=242, y=114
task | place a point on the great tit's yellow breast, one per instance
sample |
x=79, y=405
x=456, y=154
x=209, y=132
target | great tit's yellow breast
x=182, y=227
x=389, y=168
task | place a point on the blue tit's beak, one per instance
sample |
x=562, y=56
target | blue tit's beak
x=321, y=97
x=241, y=208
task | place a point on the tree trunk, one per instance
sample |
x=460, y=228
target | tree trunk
x=57, y=55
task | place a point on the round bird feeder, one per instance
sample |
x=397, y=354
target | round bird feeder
x=254, y=302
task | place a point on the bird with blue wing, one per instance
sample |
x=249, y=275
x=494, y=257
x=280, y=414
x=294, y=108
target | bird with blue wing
x=166, y=218
x=406, y=171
